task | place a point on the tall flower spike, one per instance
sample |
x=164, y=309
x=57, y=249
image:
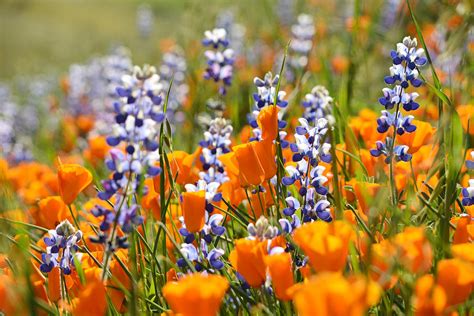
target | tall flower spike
x=309, y=150
x=318, y=104
x=174, y=67
x=138, y=117
x=300, y=46
x=216, y=143
x=220, y=61
x=403, y=73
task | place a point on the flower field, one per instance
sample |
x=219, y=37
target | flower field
x=262, y=158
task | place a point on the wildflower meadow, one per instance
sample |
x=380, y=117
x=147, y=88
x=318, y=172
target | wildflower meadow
x=281, y=157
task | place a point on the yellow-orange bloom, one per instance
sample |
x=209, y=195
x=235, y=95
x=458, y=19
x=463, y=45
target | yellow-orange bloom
x=268, y=122
x=429, y=298
x=326, y=244
x=281, y=272
x=52, y=211
x=463, y=251
x=248, y=259
x=255, y=162
x=414, y=249
x=456, y=277
x=335, y=295
x=193, y=205
x=196, y=294
x=72, y=180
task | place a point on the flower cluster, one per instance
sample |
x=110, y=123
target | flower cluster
x=308, y=151
x=318, y=104
x=138, y=117
x=468, y=192
x=404, y=72
x=173, y=68
x=266, y=96
x=216, y=143
x=220, y=60
x=300, y=46
x=145, y=20
x=61, y=248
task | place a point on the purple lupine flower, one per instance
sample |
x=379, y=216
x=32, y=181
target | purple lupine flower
x=61, y=248
x=145, y=20
x=138, y=117
x=300, y=46
x=286, y=11
x=318, y=104
x=216, y=143
x=220, y=61
x=468, y=192
x=262, y=229
x=173, y=67
x=309, y=150
x=407, y=59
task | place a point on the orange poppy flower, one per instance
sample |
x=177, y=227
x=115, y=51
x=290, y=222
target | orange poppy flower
x=463, y=251
x=248, y=259
x=97, y=150
x=456, y=277
x=422, y=136
x=365, y=193
x=280, y=269
x=51, y=211
x=91, y=300
x=72, y=180
x=255, y=162
x=414, y=249
x=268, y=122
x=466, y=114
x=196, y=294
x=193, y=205
x=335, y=295
x=429, y=298
x=326, y=244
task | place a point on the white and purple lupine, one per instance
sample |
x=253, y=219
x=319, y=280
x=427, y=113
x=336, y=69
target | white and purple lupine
x=468, y=192
x=262, y=229
x=216, y=143
x=198, y=258
x=145, y=20
x=138, y=117
x=309, y=150
x=61, y=248
x=318, y=104
x=407, y=59
x=300, y=46
x=266, y=96
x=173, y=68
x=220, y=60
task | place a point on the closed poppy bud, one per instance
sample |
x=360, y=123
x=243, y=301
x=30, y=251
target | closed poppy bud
x=196, y=294
x=268, y=122
x=250, y=170
x=456, y=277
x=280, y=269
x=193, y=205
x=326, y=244
x=248, y=259
x=52, y=211
x=72, y=180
